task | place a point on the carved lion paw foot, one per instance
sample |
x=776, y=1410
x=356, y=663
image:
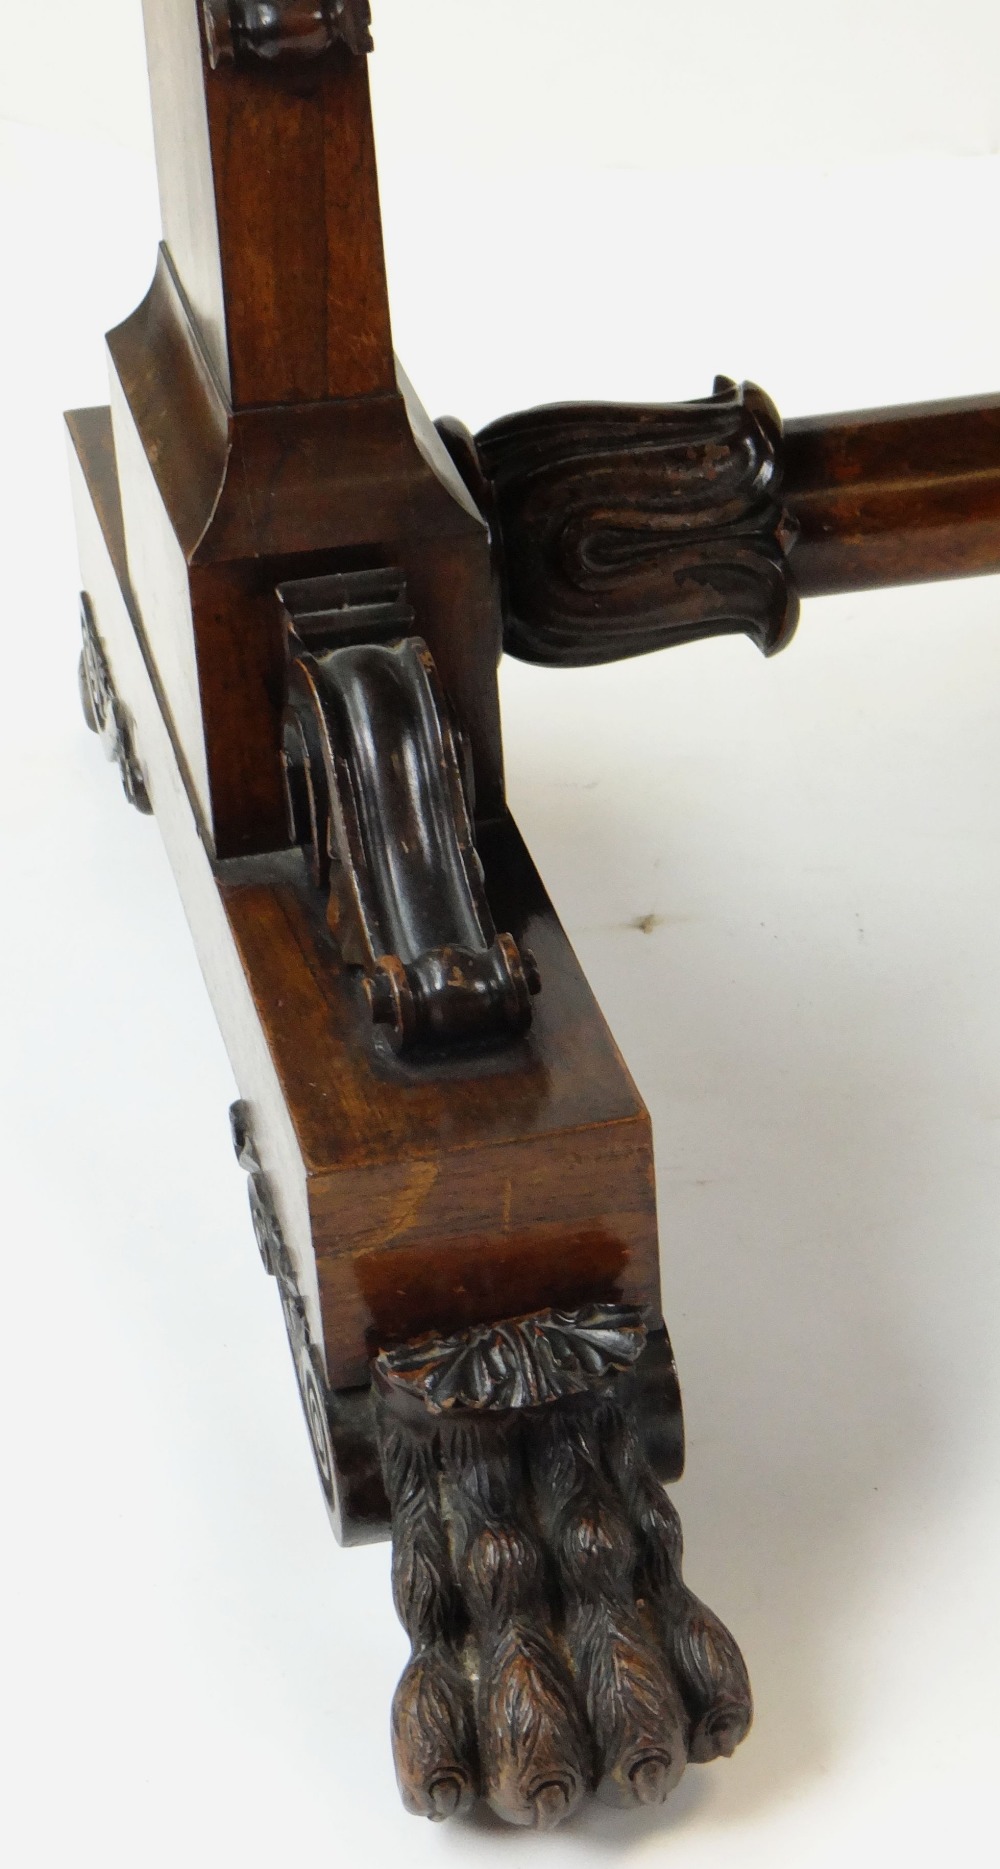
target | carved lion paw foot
x=537, y=1570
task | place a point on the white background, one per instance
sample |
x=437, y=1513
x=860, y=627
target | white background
x=581, y=199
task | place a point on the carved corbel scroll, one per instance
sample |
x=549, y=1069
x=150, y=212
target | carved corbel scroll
x=622, y=530
x=379, y=794
x=556, y=1649
x=281, y=29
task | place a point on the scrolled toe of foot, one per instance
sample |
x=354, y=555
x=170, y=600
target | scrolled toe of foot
x=554, y=1801
x=713, y=1679
x=448, y=1795
x=536, y=1804
x=718, y=1734
x=535, y=1753
x=645, y=1780
x=652, y=1779
x=636, y=1717
x=433, y=1741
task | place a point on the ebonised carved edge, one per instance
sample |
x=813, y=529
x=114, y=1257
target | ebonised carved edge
x=623, y=529
x=537, y=1569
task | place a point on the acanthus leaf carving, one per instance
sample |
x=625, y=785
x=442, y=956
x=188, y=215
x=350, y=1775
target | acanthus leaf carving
x=521, y=1363
x=626, y=529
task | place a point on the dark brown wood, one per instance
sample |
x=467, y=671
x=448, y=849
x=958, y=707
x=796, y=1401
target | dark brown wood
x=282, y=29
x=377, y=799
x=524, y=1362
x=220, y=510
x=104, y=713
x=411, y=1197
x=295, y=591
x=271, y=216
x=620, y=529
x=263, y=429
x=342, y=1422
x=894, y=496
x=537, y=1570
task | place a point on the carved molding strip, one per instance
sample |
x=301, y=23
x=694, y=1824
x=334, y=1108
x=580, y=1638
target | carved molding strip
x=105, y=714
x=274, y=30
x=379, y=795
x=522, y=1363
x=626, y=529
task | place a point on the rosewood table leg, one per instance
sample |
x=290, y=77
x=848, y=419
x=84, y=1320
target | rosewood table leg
x=296, y=595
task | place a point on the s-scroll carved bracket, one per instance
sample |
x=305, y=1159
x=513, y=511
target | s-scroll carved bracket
x=537, y=1570
x=281, y=29
x=379, y=794
x=621, y=530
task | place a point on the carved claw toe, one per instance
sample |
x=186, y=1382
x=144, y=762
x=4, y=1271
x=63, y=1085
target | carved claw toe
x=652, y=1780
x=533, y=1748
x=553, y=1802
x=634, y=1712
x=713, y=1679
x=532, y=1745
x=703, y=1656
x=433, y=1739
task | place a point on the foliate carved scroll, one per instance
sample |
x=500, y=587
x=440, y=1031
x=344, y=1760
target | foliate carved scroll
x=283, y=29
x=537, y=1567
x=341, y=1425
x=105, y=714
x=622, y=529
x=277, y=1262
x=379, y=795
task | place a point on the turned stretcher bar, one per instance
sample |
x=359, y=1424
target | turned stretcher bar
x=622, y=529
x=894, y=496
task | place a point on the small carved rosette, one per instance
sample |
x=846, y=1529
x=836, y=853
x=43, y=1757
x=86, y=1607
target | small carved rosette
x=537, y=1570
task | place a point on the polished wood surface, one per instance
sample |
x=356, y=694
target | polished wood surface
x=271, y=213
x=380, y=805
x=296, y=590
x=284, y=29
x=221, y=508
x=413, y=1196
x=894, y=496
x=263, y=428
x=622, y=529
